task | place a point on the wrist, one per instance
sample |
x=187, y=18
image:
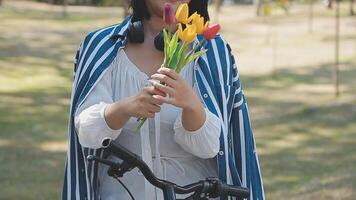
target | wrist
x=193, y=105
x=193, y=116
x=122, y=107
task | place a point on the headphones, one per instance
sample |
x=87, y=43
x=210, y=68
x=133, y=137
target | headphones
x=136, y=35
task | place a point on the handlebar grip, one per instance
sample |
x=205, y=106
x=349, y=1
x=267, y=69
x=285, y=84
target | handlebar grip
x=132, y=160
x=120, y=151
x=235, y=191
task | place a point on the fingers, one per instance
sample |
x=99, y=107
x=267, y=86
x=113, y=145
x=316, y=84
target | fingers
x=164, y=100
x=155, y=101
x=153, y=108
x=151, y=90
x=166, y=89
x=169, y=72
x=165, y=79
x=148, y=110
x=149, y=115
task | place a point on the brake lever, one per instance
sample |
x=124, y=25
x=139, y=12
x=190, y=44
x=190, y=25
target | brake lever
x=93, y=158
x=202, y=193
x=116, y=169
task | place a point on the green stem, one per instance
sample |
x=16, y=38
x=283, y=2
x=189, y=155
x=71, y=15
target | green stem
x=140, y=124
x=197, y=46
x=182, y=57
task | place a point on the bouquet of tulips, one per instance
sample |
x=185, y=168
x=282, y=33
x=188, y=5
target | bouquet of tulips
x=177, y=46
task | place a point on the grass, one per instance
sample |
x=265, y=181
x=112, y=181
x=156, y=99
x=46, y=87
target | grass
x=306, y=137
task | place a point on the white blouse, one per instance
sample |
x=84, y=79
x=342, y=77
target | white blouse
x=173, y=153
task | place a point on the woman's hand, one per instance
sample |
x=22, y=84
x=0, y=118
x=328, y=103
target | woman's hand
x=180, y=93
x=144, y=104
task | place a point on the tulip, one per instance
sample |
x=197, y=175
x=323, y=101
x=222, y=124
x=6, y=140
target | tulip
x=198, y=21
x=169, y=17
x=188, y=34
x=210, y=32
x=182, y=13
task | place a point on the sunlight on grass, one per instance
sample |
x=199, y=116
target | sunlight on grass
x=306, y=138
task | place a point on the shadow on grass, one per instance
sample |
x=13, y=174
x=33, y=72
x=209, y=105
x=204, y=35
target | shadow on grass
x=33, y=142
x=34, y=115
x=30, y=173
x=306, y=142
x=15, y=13
x=36, y=53
x=306, y=137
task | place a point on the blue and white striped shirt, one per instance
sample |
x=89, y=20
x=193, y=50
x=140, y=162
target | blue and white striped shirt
x=219, y=87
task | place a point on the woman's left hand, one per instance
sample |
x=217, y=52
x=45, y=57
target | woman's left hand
x=180, y=93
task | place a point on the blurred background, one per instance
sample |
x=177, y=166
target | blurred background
x=297, y=62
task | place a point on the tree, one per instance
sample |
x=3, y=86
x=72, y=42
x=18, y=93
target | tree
x=352, y=11
x=65, y=5
x=337, y=48
x=0, y=2
x=125, y=5
x=311, y=15
x=218, y=4
x=259, y=6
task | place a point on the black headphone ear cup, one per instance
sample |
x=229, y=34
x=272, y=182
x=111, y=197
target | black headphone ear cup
x=136, y=35
x=136, y=32
x=159, y=41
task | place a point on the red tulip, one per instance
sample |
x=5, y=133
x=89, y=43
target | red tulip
x=169, y=16
x=210, y=32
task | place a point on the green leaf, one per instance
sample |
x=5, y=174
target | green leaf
x=190, y=58
x=175, y=57
x=173, y=44
x=199, y=45
x=166, y=39
x=183, y=53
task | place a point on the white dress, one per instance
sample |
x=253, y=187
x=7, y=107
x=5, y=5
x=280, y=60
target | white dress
x=182, y=156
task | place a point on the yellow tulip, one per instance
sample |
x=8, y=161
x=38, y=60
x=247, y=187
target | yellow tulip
x=182, y=13
x=188, y=34
x=198, y=21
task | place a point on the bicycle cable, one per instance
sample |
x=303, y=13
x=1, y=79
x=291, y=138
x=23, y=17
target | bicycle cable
x=123, y=185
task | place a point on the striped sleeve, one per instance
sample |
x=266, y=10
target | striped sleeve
x=235, y=79
x=244, y=146
x=76, y=58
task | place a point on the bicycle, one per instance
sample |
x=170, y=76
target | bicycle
x=202, y=190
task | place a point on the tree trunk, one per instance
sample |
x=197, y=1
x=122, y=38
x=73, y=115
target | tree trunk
x=218, y=4
x=352, y=11
x=337, y=48
x=330, y=4
x=311, y=15
x=64, y=11
x=259, y=7
x=125, y=5
x=0, y=2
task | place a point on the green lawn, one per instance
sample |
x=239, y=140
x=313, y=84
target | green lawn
x=306, y=138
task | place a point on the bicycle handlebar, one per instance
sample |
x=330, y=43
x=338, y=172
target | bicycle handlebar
x=210, y=185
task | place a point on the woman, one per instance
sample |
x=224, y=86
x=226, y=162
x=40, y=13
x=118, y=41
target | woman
x=198, y=122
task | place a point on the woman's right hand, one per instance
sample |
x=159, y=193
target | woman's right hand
x=143, y=105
